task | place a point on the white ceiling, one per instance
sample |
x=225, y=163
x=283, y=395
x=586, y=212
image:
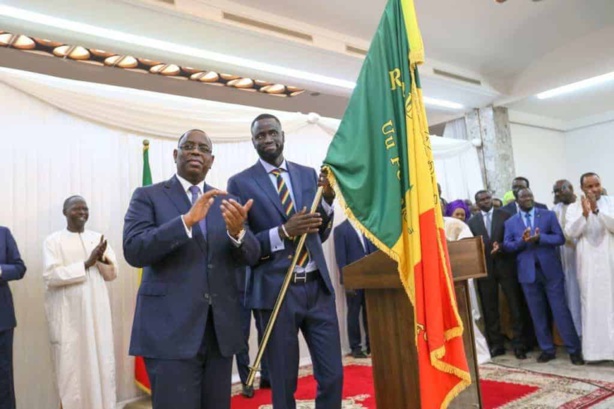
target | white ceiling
x=497, y=41
x=515, y=49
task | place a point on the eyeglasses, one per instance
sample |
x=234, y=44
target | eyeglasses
x=189, y=146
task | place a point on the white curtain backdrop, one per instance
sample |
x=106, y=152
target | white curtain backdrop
x=61, y=137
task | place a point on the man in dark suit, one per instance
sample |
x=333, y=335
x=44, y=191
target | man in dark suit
x=191, y=242
x=282, y=191
x=501, y=269
x=11, y=268
x=519, y=183
x=534, y=235
x=350, y=246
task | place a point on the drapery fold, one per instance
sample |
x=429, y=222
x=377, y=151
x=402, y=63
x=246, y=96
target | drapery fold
x=147, y=112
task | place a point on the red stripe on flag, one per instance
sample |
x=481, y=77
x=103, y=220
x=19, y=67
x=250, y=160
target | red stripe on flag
x=140, y=375
x=435, y=310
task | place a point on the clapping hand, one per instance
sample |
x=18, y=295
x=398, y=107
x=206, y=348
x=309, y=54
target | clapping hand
x=526, y=236
x=201, y=207
x=97, y=254
x=586, y=206
x=234, y=215
x=592, y=202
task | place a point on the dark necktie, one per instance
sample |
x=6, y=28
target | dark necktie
x=288, y=205
x=528, y=218
x=488, y=224
x=195, y=191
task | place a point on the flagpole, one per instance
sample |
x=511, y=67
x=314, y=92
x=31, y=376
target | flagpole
x=281, y=296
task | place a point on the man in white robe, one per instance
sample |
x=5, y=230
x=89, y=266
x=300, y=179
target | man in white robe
x=563, y=197
x=78, y=262
x=591, y=222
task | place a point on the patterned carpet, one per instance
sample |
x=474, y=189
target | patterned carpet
x=502, y=387
x=551, y=391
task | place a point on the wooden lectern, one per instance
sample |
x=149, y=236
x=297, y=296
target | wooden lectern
x=391, y=327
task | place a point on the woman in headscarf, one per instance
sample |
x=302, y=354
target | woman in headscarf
x=458, y=209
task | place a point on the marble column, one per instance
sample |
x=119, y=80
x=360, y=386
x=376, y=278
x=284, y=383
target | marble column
x=491, y=126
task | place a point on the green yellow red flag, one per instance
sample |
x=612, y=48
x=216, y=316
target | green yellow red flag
x=381, y=164
x=140, y=373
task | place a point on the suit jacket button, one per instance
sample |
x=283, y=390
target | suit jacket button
x=209, y=265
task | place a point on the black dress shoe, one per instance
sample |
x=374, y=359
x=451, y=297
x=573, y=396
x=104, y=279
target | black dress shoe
x=497, y=351
x=576, y=359
x=545, y=357
x=520, y=353
x=359, y=354
x=265, y=384
x=247, y=391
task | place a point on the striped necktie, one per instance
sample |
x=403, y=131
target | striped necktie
x=288, y=205
x=284, y=193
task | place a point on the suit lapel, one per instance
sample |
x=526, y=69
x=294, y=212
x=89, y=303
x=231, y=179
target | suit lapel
x=212, y=214
x=214, y=221
x=356, y=240
x=482, y=225
x=263, y=180
x=520, y=222
x=175, y=192
x=496, y=222
x=297, y=185
x=538, y=220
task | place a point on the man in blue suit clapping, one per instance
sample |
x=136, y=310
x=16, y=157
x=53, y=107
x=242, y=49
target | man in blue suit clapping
x=282, y=191
x=11, y=268
x=534, y=235
x=191, y=241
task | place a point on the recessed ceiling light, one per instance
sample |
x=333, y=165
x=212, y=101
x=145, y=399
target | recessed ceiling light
x=131, y=39
x=576, y=86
